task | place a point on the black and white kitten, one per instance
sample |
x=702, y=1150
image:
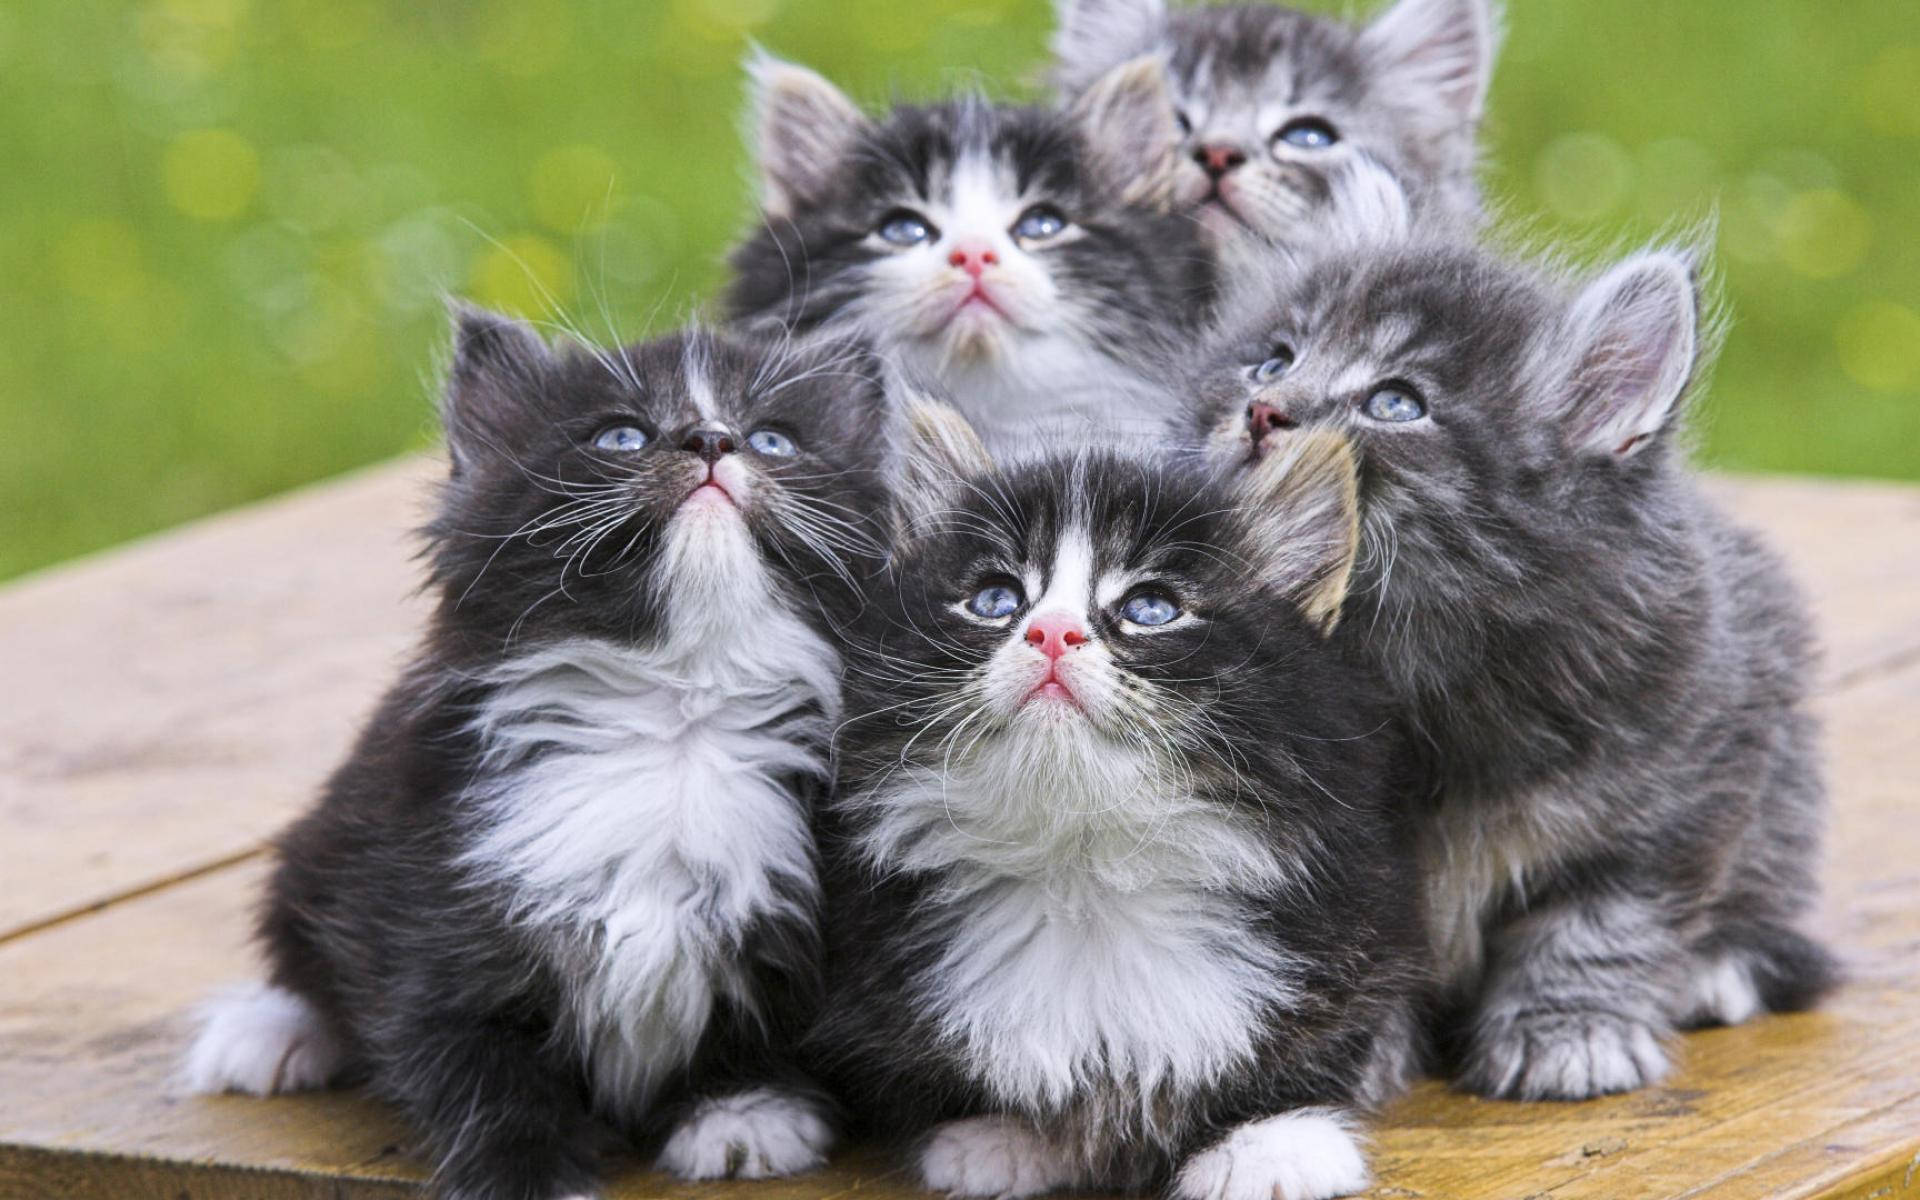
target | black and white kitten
x=1627, y=804
x=1115, y=892
x=569, y=870
x=1023, y=258
x=1271, y=99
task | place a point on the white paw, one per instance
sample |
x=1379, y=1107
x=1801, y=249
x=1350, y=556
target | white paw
x=1311, y=1154
x=1723, y=994
x=1565, y=1056
x=760, y=1134
x=993, y=1156
x=261, y=1039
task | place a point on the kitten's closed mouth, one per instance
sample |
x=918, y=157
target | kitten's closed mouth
x=1051, y=688
x=712, y=492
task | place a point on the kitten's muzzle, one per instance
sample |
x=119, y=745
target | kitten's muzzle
x=709, y=442
x=1218, y=158
x=1264, y=418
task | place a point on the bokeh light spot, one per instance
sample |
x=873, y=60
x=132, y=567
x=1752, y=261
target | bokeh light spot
x=1583, y=176
x=723, y=21
x=523, y=37
x=527, y=276
x=1823, y=234
x=1890, y=92
x=1879, y=345
x=573, y=188
x=210, y=174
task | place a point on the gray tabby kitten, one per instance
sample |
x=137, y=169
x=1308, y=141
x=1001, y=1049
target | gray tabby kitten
x=1626, y=798
x=1272, y=99
x=1027, y=259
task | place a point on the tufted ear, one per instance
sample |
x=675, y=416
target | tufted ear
x=497, y=366
x=1633, y=337
x=803, y=127
x=940, y=451
x=1443, y=48
x=1091, y=37
x=1132, y=132
x=1301, y=507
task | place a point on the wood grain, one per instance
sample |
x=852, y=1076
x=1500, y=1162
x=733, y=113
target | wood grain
x=190, y=692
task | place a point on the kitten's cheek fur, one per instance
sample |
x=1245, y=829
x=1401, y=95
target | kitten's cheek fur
x=1311, y=1154
x=1563, y=1056
x=993, y=1156
x=758, y=1134
x=262, y=1040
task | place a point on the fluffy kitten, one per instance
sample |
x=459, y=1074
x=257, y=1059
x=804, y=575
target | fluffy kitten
x=1115, y=896
x=1022, y=257
x=1270, y=99
x=1611, y=676
x=568, y=871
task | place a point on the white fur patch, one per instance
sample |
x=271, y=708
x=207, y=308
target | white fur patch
x=1311, y=1154
x=758, y=1134
x=262, y=1040
x=1090, y=927
x=635, y=806
x=993, y=1156
x=1723, y=991
x=1472, y=854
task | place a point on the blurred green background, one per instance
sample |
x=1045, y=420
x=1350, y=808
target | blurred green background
x=225, y=225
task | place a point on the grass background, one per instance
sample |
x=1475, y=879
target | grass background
x=225, y=225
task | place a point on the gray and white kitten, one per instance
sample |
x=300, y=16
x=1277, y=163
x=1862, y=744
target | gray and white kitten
x=566, y=878
x=1118, y=892
x=1271, y=99
x=1024, y=258
x=1611, y=676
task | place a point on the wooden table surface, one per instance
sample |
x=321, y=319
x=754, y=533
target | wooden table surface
x=169, y=705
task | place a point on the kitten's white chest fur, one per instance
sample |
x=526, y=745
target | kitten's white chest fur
x=1091, y=928
x=1049, y=391
x=635, y=812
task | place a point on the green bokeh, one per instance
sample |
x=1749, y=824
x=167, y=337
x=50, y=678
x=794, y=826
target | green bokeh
x=226, y=225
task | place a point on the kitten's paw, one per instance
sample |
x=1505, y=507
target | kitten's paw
x=1564, y=1056
x=1722, y=993
x=1311, y=1154
x=261, y=1039
x=758, y=1134
x=993, y=1156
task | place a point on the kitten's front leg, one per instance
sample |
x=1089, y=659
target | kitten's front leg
x=1306, y=1154
x=995, y=1155
x=751, y=1133
x=1575, y=1002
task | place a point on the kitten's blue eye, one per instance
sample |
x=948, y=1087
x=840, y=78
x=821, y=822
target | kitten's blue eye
x=1149, y=608
x=1307, y=133
x=995, y=601
x=772, y=443
x=1394, y=403
x=621, y=439
x=1273, y=368
x=903, y=228
x=1039, y=223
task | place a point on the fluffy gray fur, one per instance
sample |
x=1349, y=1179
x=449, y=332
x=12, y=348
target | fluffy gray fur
x=1275, y=99
x=1610, y=675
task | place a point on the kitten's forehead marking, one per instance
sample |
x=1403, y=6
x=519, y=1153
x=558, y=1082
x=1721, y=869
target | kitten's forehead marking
x=1070, y=581
x=696, y=363
x=978, y=194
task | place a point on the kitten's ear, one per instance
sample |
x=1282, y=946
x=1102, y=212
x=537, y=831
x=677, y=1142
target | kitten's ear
x=1090, y=37
x=497, y=362
x=1634, y=339
x=803, y=127
x=1301, y=506
x=1132, y=133
x=1442, y=47
x=940, y=450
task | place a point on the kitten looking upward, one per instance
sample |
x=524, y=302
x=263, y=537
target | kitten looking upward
x=1271, y=99
x=1024, y=258
x=1624, y=821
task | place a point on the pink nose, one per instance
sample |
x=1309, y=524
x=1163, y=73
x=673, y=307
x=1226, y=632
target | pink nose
x=1263, y=419
x=1217, y=159
x=974, y=260
x=1055, y=633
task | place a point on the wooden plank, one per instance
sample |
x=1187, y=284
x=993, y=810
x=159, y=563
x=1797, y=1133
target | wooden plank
x=173, y=703
x=94, y=1013
x=197, y=686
